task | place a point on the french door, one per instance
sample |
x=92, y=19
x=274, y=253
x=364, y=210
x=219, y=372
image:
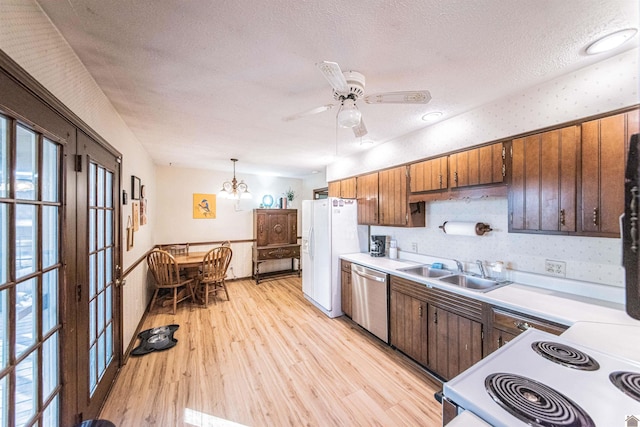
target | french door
x=98, y=316
x=60, y=315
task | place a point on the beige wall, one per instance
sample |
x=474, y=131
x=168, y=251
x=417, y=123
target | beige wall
x=27, y=36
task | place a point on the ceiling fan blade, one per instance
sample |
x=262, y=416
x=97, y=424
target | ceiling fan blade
x=333, y=74
x=308, y=112
x=404, y=97
x=360, y=130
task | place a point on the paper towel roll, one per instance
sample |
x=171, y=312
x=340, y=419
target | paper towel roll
x=465, y=228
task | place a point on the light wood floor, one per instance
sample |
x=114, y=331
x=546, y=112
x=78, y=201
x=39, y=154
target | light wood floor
x=269, y=358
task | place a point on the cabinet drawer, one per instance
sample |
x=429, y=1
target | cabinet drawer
x=515, y=323
x=279, y=252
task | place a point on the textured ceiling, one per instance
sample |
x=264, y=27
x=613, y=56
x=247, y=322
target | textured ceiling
x=201, y=81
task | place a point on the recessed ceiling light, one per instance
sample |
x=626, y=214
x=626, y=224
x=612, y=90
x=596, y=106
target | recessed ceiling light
x=610, y=41
x=429, y=117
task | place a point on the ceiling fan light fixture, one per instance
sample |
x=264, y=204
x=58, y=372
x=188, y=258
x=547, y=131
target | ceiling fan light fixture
x=611, y=41
x=349, y=115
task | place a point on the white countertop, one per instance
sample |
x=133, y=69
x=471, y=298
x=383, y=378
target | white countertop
x=599, y=324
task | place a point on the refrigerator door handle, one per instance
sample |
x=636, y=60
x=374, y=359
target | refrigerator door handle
x=311, y=242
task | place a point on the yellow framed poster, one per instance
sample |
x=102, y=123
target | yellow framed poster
x=204, y=206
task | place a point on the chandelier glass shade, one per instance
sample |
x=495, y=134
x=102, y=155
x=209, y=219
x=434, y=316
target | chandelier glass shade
x=234, y=189
x=349, y=115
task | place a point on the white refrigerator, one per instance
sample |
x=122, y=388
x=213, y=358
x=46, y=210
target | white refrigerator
x=329, y=228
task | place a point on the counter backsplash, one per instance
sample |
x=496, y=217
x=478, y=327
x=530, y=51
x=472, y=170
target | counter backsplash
x=596, y=261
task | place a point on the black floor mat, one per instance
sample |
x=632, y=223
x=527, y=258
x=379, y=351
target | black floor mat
x=155, y=339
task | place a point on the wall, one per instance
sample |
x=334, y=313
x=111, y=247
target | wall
x=234, y=221
x=313, y=182
x=29, y=38
x=606, y=86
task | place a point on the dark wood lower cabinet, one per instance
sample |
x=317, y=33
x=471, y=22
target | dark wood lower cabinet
x=409, y=326
x=455, y=342
x=346, y=296
x=438, y=329
x=506, y=325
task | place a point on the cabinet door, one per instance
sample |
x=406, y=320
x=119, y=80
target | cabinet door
x=278, y=228
x=604, y=143
x=334, y=189
x=260, y=228
x=345, y=287
x=348, y=188
x=392, y=202
x=478, y=166
x=542, y=194
x=499, y=339
x=455, y=342
x=368, y=199
x=408, y=325
x=428, y=175
x=292, y=227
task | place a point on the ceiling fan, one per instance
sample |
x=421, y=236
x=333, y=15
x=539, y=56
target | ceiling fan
x=348, y=88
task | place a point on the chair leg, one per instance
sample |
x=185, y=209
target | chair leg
x=224, y=286
x=175, y=299
x=153, y=299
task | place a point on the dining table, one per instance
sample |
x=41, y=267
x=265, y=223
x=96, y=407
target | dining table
x=189, y=264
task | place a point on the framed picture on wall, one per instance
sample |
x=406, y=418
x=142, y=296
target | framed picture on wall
x=135, y=188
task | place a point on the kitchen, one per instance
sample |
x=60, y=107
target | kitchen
x=545, y=103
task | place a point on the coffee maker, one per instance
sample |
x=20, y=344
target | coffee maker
x=377, y=247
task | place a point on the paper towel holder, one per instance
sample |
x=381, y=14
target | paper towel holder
x=480, y=228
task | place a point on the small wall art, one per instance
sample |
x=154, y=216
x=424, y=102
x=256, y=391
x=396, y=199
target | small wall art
x=135, y=208
x=204, y=206
x=135, y=188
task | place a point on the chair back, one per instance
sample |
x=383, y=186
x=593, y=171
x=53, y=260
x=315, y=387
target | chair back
x=164, y=268
x=215, y=263
x=182, y=249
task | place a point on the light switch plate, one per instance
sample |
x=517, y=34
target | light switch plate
x=555, y=268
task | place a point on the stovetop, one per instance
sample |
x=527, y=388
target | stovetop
x=532, y=375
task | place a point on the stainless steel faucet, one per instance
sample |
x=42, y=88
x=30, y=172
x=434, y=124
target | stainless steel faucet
x=484, y=275
x=459, y=264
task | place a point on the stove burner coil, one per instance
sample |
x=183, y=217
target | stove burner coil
x=565, y=355
x=627, y=382
x=535, y=403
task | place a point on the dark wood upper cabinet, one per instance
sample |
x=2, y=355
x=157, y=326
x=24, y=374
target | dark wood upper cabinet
x=604, y=147
x=429, y=175
x=368, y=199
x=383, y=199
x=344, y=188
x=542, y=195
x=478, y=166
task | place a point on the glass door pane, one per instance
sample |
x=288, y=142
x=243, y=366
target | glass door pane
x=29, y=330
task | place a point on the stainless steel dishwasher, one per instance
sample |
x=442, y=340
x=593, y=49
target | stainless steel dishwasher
x=370, y=293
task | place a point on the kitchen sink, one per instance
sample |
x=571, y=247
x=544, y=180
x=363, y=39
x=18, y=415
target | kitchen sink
x=426, y=271
x=473, y=282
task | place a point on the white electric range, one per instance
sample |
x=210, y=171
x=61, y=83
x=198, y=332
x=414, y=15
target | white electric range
x=540, y=379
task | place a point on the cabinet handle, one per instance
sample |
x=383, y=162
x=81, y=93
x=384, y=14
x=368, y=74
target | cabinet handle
x=435, y=317
x=455, y=178
x=440, y=180
x=504, y=170
x=562, y=219
x=523, y=326
x=420, y=311
x=634, y=218
x=595, y=216
x=499, y=341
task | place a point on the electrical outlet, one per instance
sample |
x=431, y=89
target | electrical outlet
x=414, y=247
x=555, y=268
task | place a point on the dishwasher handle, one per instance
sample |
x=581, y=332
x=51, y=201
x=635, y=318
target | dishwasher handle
x=368, y=273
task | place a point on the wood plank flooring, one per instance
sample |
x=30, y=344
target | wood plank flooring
x=268, y=357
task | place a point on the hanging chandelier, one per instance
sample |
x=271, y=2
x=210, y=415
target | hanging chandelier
x=234, y=189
